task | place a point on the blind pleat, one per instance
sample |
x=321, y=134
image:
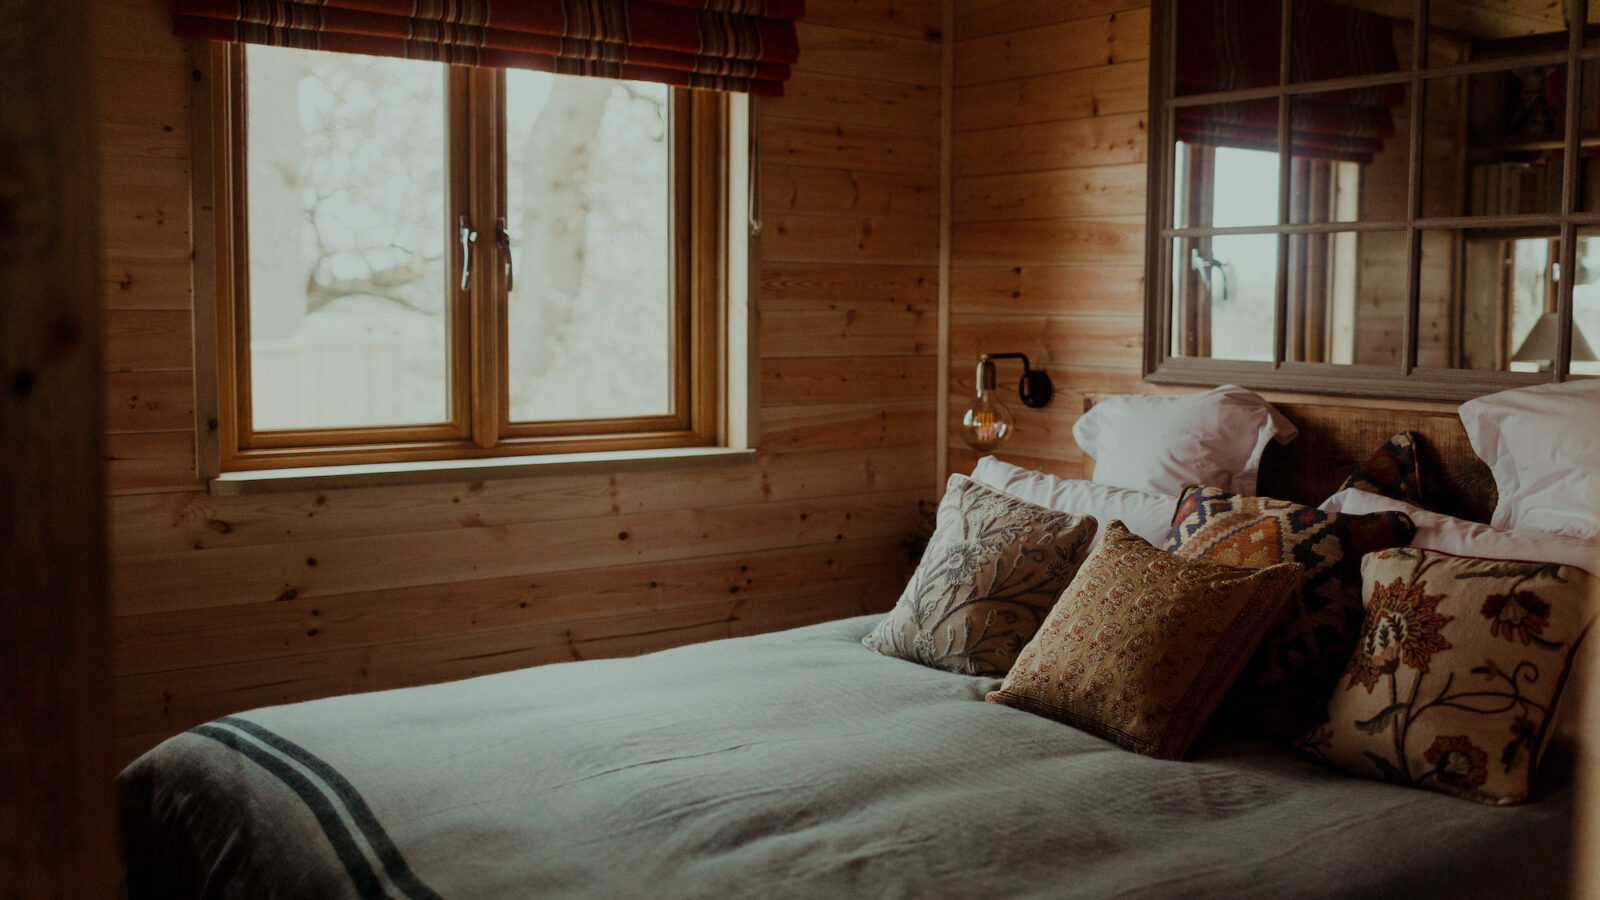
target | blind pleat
x=728, y=45
x=1222, y=50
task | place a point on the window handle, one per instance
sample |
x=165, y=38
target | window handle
x=502, y=239
x=468, y=238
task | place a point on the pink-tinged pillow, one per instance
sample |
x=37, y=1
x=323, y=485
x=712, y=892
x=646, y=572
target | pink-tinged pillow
x=1162, y=443
x=1146, y=515
x=1448, y=534
x=1543, y=445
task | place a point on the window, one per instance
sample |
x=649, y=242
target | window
x=1381, y=197
x=419, y=261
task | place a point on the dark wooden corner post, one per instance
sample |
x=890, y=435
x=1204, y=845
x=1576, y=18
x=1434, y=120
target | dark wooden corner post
x=57, y=831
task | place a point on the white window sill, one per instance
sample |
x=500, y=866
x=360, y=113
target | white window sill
x=313, y=478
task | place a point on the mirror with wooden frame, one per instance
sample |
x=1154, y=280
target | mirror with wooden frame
x=1433, y=230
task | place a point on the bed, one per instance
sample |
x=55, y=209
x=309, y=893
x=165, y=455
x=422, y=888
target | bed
x=803, y=764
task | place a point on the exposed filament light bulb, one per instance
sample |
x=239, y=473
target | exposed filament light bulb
x=987, y=424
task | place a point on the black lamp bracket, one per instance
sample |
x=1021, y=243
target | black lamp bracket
x=1034, y=388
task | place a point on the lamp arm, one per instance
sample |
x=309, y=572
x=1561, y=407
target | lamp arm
x=1034, y=387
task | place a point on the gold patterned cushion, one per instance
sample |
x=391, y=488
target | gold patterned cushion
x=1459, y=669
x=1143, y=644
x=1285, y=688
x=993, y=568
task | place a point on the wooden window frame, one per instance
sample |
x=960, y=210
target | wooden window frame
x=1406, y=379
x=480, y=425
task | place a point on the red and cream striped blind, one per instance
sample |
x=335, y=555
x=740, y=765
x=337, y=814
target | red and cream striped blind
x=728, y=45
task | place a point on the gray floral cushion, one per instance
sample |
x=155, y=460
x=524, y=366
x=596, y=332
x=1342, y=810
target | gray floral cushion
x=992, y=571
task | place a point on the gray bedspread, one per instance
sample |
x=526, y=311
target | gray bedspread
x=789, y=764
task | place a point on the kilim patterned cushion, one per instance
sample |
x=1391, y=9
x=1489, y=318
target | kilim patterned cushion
x=1143, y=644
x=1285, y=688
x=1393, y=471
x=993, y=568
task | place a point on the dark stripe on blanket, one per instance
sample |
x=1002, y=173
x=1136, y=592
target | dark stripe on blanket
x=394, y=864
x=344, y=845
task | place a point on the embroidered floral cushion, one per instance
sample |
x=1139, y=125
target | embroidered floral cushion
x=1286, y=686
x=992, y=570
x=1393, y=471
x=1459, y=669
x=1143, y=644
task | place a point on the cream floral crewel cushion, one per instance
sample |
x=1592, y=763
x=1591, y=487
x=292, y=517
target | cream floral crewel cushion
x=992, y=570
x=1459, y=669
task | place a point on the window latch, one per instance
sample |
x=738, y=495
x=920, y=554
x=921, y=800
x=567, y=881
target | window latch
x=502, y=239
x=468, y=238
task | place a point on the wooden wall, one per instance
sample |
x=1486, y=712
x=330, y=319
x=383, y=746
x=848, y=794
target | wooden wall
x=222, y=604
x=1047, y=244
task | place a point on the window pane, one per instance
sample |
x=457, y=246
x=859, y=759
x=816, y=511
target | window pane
x=1492, y=143
x=1225, y=186
x=346, y=196
x=1351, y=155
x=1586, y=305
x=1223, y=290
x=588, y=191
x=1483, y=293
x=1347, y=297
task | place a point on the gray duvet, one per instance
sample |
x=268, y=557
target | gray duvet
x=791, y=764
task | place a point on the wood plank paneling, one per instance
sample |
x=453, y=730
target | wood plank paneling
x=892, y=332
x=230, y=602
x=149, y=401
x=976, y=18
x=174, y=524
x=1103, y=90
x=855, y=101
x=1048, y=202
x=58, y=831
x=906, y=18
x=1035, y=290
x=1063, y=46
x=212, y=636
x=840, y=379
x=794, y=238
x=1069, y=144
x=907, y=423
x=852, y=53
x=835, y=192
x=147, y=340
x=830, y=285
x=1117, y=191
x=1050, y=241
x=872, y=148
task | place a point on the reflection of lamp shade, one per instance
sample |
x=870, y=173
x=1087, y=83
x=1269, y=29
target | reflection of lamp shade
x=1540, y=344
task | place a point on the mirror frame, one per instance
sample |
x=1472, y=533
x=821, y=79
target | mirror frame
x=1406, y=380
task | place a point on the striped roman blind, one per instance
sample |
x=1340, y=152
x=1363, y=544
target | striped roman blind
x=727, y=45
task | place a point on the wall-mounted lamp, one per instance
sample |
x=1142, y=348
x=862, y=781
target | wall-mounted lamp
x=988, y=423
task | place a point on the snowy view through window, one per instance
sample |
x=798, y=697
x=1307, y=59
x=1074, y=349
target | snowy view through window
x=349, y=236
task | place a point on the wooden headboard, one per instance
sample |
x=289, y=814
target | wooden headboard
x=1335, y=439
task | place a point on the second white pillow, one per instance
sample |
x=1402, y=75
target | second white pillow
x=1147, y=515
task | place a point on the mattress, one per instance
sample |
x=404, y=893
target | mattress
x=790, y=764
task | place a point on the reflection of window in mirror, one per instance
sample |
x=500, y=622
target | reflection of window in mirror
x=1361, y=207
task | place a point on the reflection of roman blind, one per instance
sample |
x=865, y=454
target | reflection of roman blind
x=1233, y=44
x=730, y=45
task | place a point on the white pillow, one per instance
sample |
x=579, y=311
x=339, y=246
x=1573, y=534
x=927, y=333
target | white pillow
x=1147, y=515
x=1436, y=531
x=1162, y=443
x=1543, y=445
